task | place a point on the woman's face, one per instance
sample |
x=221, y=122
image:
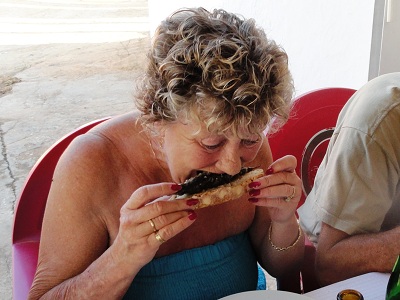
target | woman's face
x=188, y=150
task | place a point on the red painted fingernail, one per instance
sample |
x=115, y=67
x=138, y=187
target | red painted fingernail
x=192, y=215
x=253, y=200
x=254, y=193
x=192, y=202
x=254, y=184
x=269, y=171
x=176, y=187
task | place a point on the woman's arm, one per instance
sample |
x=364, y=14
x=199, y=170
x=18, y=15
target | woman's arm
x=275, y=232
x=73, y=257
x=279, y=246
x=93, y=241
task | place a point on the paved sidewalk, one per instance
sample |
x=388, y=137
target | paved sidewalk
x=48, y=88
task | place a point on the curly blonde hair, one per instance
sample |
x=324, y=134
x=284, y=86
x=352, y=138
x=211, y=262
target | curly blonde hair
x=215, y=67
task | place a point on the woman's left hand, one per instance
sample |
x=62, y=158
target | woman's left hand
x=280, y=189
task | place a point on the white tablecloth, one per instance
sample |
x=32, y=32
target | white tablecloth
x=371, y=285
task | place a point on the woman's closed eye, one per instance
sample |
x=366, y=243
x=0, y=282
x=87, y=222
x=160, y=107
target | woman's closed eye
x=250, y=143
x=212, y=146
x=215, y=146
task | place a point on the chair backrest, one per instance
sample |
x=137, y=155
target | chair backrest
x=306, y=136
x=307, y=132
x=29, y=210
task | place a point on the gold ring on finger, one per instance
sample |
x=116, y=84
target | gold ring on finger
x=287, y=199
x=153, y=225
x=159, y=238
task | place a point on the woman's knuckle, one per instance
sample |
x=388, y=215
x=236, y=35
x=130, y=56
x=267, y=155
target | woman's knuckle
x=283, y=176
x=123, y=220
x=163, y=220
x=158, y=207
x=142, y=192
x=168, y=232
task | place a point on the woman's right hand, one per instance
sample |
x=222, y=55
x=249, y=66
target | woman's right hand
x=148, y=219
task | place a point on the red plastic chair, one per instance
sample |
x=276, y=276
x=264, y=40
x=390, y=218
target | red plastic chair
x=306, y=136
x=29, y=212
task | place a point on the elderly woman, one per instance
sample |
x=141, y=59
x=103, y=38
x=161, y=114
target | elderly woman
x=214, y=83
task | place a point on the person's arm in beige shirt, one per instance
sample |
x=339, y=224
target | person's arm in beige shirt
x=341, y=256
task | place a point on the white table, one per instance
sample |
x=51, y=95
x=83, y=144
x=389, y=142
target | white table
x=266, y=295
x=371, y=285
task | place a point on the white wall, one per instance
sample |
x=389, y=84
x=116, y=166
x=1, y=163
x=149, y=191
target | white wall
x=390, y=51
x=328, y=42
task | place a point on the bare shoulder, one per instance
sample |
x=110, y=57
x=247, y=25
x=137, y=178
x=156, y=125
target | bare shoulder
x=96, y=172
x=84, y=162
x=102, y=153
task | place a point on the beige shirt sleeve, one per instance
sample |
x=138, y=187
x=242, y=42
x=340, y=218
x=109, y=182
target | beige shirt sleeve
x=357, y=188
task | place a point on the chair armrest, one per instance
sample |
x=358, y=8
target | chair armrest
x=25, y=257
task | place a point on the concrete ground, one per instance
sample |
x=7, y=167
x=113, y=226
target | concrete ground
x=62, y=64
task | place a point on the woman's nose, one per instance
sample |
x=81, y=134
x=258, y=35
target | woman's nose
x=230, y=162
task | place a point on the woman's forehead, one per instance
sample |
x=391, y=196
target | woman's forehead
x=200, y=128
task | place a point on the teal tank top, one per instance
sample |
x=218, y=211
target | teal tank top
x=209, y=272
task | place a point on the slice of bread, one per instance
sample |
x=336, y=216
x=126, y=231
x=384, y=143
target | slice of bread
x=224, y=193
